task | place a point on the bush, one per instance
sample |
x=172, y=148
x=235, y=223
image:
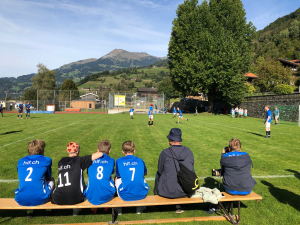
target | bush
x=283, y=89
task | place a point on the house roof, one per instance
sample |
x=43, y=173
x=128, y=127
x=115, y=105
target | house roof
x=89, y=94
x=250, y=75
x=295, y=62
x=147, y=90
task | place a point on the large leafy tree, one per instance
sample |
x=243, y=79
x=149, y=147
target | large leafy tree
x=210, y=49
x=271, y=74
x=68, y=91
x=44, y=82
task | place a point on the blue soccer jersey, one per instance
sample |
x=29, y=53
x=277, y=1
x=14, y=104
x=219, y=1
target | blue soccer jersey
x=33, y=189
x=27, y=107
x=269, y=114
x=1, y=106
x=174, y=110
x=150, y=110
x=180, y=113
x=131, y=110
x=100, y=188
x=21, y=107
x=131, y=170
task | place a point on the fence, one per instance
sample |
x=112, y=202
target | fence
x=58, y=100
x=119, y=102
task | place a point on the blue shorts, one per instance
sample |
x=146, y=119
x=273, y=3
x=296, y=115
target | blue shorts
x=20, y=111
x=27, y=110
x=237, y=192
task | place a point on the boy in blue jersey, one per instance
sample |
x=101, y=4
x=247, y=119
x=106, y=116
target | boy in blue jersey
x=150, y=115
x=180, y=115
x=131, y=113
x=27, y=107
x=130, y=172
x=101, y=188
x=1, y=109
x=268, y=121
x=174, y=112
x=35, y=181
x=20, y=108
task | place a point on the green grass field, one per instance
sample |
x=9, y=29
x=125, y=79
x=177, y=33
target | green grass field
x=276, y=160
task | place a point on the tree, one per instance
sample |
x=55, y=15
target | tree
x=30, y=94
x=210, y=49
x=45, y=78
x=68, y=91
x=166, y=86
x=271, y=74
x=294, y=29
x=282, y=89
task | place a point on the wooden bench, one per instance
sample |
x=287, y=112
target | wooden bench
x=153, y=200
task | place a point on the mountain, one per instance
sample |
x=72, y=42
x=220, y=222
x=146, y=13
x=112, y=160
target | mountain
x=114, y=60
x=280, y=39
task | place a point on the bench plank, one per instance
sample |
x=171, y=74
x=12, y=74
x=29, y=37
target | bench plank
x=173, y=220
x=152, y=200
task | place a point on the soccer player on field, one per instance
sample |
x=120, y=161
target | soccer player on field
x=276, y=115
x=101, y=188
x=268, y=121
x=71, y=185
x=150, y=115
x=245, y=113
x=174, y=112
x=20, y=108
x=35, y=181
x=27, y=107
x=131, y=112
x=130, y=172
x=196, y=111
x=232, y=112
x=180, y=115
x=1, y=109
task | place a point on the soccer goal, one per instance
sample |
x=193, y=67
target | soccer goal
x=288, y=114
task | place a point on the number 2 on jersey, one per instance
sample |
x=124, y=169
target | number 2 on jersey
x=30, y=172
x=133, y=172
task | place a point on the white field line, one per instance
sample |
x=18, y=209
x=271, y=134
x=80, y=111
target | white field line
x=42, y=133
x=201, y=178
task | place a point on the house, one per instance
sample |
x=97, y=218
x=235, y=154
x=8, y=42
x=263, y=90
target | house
x=250, y=77
x=294, y=64
x=87, y=101
x=142, y=92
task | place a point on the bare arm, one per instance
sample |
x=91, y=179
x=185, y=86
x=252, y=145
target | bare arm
x=96, y=155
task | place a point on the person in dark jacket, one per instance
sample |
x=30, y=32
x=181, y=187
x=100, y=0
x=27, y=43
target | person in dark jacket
x=236, y=170
x=166, y=184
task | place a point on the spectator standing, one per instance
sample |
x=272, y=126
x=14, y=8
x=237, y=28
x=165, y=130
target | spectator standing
x=276, y=115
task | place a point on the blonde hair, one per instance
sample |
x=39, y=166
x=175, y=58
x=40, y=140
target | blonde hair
x=235, y=145
x=36, y=147
x=267, y=106
x=128, y=147
x=104, y=146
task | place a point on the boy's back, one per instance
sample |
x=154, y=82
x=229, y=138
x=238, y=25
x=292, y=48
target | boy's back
x=100, y=188
x=70, y=185
x=131, y=170
x=33, y=188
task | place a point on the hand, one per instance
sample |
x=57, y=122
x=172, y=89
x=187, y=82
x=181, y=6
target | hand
x=224, y=151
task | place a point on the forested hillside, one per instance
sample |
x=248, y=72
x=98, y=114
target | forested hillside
x=280, y=39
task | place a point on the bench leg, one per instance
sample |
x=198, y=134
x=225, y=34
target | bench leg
x=114, y=215
x=228, y=216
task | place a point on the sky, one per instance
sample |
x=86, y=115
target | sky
x=57, y=32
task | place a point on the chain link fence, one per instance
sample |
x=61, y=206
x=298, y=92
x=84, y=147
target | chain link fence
x=120, y=102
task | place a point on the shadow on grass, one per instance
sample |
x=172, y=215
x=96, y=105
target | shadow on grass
x=284, y=196
x=11, y=132
x=260, y=135
x=296, y=173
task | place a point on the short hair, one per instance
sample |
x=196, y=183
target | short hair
x=276, y=107
x=234, y=144
x=267, y=106
x=36, y=147
x=104, y=146
x=128, y=147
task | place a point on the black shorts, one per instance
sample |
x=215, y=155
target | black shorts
x=20, y=111
x=28, y=111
